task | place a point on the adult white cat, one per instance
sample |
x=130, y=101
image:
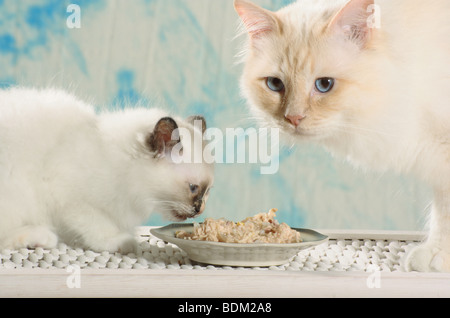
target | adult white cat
x=370, y=80
x=88, y=179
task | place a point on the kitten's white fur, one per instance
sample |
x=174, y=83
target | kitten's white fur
x=86, y=178
x=390, y=107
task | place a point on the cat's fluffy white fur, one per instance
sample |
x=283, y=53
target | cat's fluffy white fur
x=390, y=105
x=69, y=173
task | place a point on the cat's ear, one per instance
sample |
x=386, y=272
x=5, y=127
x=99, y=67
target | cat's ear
x=164, y=137
x=257, y=21
x=197, y=120
x=353, y=21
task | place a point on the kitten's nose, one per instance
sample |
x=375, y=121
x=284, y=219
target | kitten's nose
x=199, y=207
x=294, y=119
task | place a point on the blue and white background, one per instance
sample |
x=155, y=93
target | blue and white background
x=180, y=55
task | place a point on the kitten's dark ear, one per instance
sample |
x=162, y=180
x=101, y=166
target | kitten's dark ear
x=257, y=21
x=164, y=137
x=353, y=21
x=198, y=120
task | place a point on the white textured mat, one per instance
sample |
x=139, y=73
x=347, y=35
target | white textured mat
x=343, y=252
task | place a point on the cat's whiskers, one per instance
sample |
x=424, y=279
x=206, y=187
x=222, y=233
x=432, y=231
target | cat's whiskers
x=359, y=129
x=172, y=205
x=369, y=137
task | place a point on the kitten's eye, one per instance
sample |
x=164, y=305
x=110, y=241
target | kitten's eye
x=325, y=84
x=193, y=188
x=275, y=84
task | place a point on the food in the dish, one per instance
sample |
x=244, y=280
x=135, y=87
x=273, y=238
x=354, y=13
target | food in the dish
x=261, y=228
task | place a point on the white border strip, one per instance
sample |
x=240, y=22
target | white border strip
x=220, y=284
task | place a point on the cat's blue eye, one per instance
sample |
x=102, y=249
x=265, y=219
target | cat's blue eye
x=193, y=188
x=275, y=84
x=325, y=84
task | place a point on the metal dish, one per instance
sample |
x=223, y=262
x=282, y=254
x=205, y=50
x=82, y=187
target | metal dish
x=234, y=254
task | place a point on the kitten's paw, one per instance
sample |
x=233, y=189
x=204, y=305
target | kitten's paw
x=43, y=238
x=127, y=245
x=428, y=258
x=31, y=237
x=123, y=243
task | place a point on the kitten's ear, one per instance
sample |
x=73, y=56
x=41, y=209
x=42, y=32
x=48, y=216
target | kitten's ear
x=196, y=120
x=164, y=137
x=257, y=21
x=353, y=21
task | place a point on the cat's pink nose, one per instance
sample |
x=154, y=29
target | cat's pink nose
x=294, y=119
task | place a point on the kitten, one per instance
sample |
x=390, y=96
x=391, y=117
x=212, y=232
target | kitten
x=369, y=81
x=67, y=173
